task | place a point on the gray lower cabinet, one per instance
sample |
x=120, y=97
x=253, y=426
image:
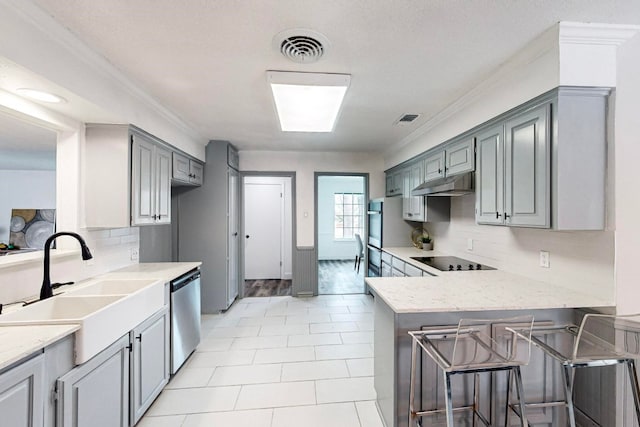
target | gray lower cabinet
x=96, y=393
x=22, y=394
x=150, y=362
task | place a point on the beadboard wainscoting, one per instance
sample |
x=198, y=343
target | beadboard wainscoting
x=305, y=271
x=579, y=260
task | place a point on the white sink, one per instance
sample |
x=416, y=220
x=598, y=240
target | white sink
x=105, y=311
x=112, y=287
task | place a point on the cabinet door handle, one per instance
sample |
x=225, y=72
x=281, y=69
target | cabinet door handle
x=246, y=237
x=155, y=217
x=439, y=170
x=410, y=214
x=159, y=216
x=498, y=215
x=235, y=234
x=506, y=216
x=139, y=337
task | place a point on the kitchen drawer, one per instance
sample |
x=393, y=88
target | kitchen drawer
x=412, y=271
x=398, y=264
x=386, y=270
x=386, y=257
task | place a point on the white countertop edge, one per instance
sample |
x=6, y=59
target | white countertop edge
x=24, y=340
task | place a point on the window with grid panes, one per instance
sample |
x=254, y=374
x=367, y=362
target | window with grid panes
x=348, y=215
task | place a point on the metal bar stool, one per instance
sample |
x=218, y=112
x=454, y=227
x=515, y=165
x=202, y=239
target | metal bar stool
x=600, y=340
x=478, y=346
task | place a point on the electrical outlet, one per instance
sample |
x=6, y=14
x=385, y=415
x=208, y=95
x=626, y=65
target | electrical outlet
x=134, y=254
x=469, y=244
x=544, y=259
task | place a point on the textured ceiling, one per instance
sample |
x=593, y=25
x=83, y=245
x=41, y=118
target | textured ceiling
x=206, y=59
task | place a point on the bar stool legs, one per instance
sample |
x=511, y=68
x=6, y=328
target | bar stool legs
x=515, y=374
x=447, y=399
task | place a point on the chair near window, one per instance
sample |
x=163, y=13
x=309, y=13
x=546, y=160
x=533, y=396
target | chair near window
x=600, y=340
x=359, y=253
x=472, y=347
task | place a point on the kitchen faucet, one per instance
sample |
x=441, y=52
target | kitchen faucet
x=46, y=291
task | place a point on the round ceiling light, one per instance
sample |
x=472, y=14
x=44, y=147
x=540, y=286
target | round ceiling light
x=40, y=95
x=301, y=45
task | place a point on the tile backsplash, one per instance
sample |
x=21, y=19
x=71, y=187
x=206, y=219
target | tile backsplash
x=111, y=249
x=580, y=260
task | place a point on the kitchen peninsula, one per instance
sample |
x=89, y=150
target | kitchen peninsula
x=410, y=303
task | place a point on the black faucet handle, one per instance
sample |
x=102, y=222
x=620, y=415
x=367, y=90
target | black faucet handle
x=57, y=285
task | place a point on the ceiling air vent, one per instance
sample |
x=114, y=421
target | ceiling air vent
x=300, y=45
x=406, y=119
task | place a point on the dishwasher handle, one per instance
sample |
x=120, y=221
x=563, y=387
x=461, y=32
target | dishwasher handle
x=184, y=281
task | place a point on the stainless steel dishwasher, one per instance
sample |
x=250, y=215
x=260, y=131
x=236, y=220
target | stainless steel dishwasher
x=185, y=317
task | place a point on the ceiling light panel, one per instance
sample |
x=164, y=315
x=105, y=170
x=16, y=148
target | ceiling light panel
x=308, y=102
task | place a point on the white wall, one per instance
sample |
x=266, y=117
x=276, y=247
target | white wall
x=305, y=164
x=328, y=246
x=24, y=190
x=581, y=260
x=287, y=261
x=627, y=177
x=110, y=248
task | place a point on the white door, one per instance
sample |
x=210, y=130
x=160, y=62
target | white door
x=263, y=218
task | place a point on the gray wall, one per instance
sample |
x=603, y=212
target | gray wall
x=155, y=243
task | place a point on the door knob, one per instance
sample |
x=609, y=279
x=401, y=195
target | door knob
x=247, y=236
x=235, y=234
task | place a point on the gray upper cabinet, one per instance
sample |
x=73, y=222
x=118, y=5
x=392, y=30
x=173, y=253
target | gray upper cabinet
x=96, y=393
x=394, y=183
x=22, y=394
x=459, y=157
x=410, y=206
x=519, y=182
x=150, y=182
x=490, y=175
x=434, y=167
x=186, y=171
x=150, y=362
x=527, y=167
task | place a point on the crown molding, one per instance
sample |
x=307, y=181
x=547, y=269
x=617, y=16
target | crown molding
x=60, y=35
x=595, y=34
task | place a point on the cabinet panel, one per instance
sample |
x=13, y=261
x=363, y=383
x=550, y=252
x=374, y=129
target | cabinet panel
x=196, y=171
x=22, y=394
x=489, y=176
x=181, y=169
x=150, y=366
x=527, y=167
x=386, y=270
x=163, y=185
x=460, y=157
x=96, y=393
x=412, y=271
x=233, y=231
x=389, y=185
x=434, y=166
x=142, y=181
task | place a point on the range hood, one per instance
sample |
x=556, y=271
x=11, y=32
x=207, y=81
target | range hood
x=457, y=185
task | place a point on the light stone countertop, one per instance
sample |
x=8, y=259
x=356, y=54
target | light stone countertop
x=18, y=342
x=152, y=270
x=472, y=290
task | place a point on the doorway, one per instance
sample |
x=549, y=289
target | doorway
x=341, y=201
x=267, y=206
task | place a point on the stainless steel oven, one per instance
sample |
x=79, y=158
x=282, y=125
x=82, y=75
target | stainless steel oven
x=374, y=256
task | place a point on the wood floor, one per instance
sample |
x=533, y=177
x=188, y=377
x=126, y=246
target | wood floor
x=339, y=277
x=267, y=288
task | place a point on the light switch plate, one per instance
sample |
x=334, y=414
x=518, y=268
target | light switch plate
x=544, y=259
x=469, y=244
x=134, y=254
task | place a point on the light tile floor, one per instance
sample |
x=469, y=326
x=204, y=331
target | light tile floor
x=277, y=362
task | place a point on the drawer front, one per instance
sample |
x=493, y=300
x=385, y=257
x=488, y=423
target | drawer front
x=386, y=258
x=398, y=264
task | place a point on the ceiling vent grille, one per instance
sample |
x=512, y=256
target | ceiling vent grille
x=406, y=119
x=301, y=46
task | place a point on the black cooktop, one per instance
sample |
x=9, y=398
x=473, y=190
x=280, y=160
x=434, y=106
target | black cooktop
x=451, y=263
